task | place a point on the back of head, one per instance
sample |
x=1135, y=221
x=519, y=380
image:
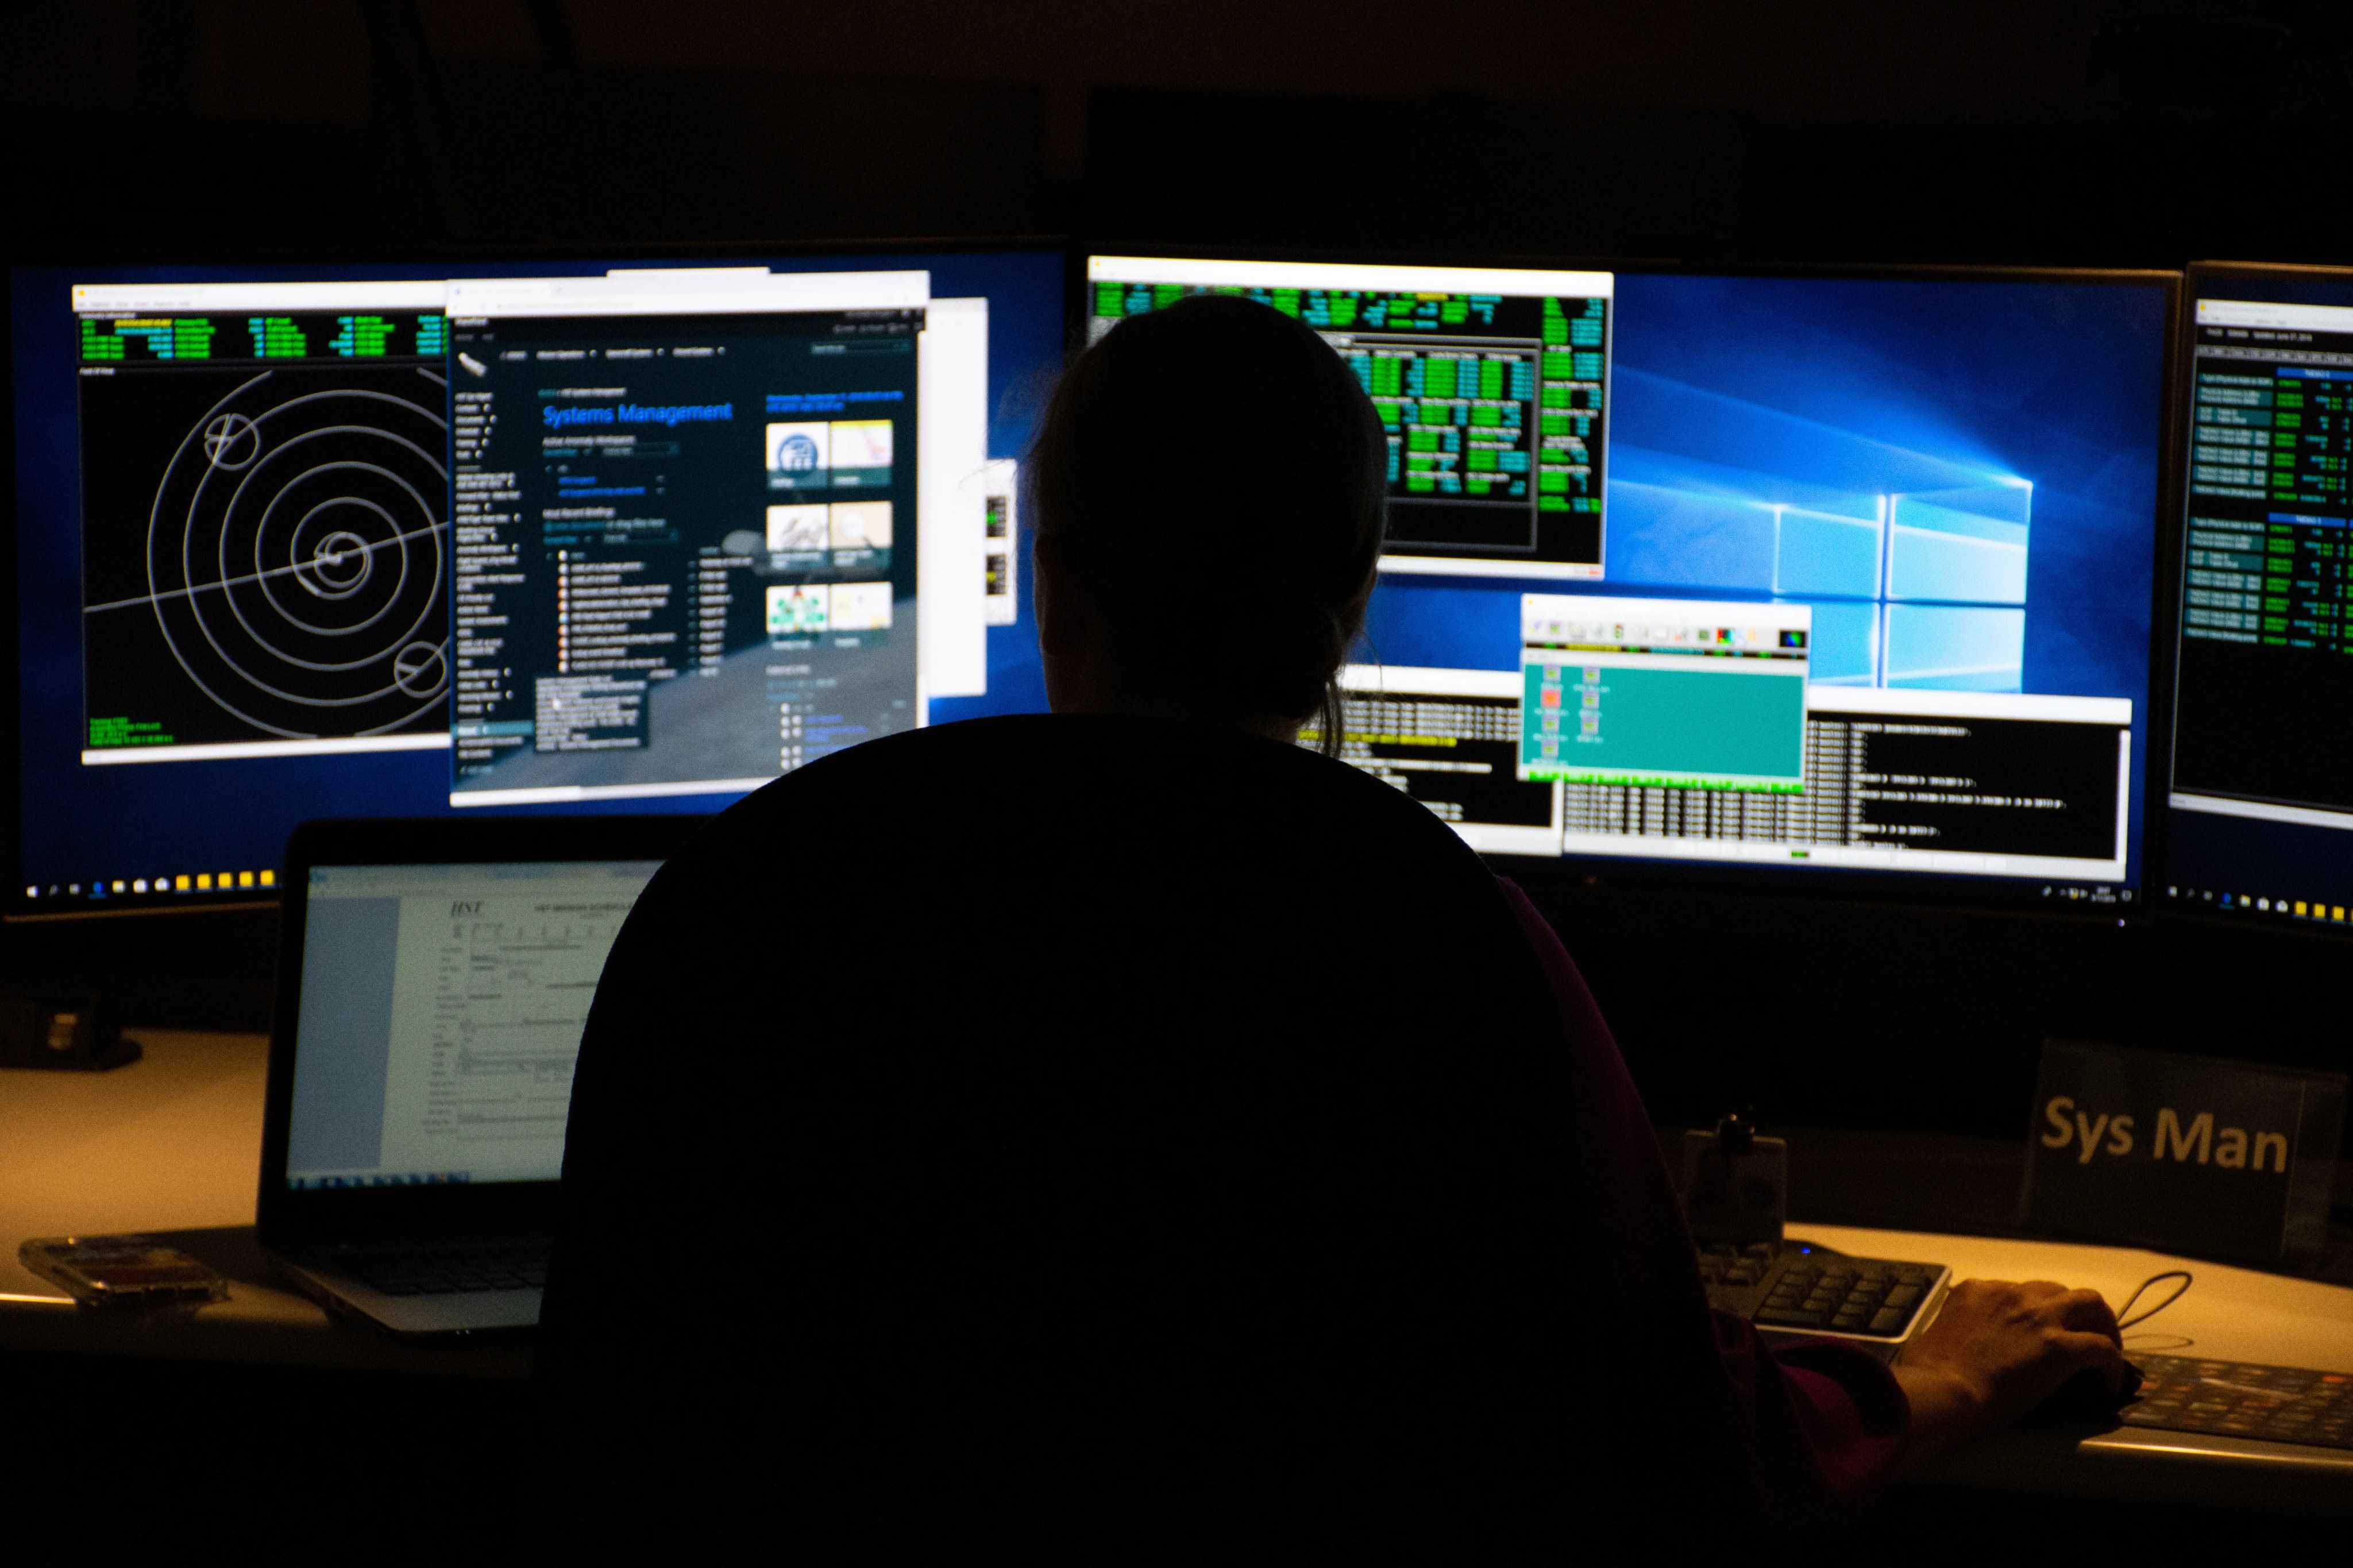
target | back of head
x=1214, y=477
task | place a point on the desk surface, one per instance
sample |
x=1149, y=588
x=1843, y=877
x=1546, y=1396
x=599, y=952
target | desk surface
x=2228, y=1314
x=170, y=1144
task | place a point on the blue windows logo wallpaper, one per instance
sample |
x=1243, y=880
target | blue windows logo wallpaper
x=1959, y=478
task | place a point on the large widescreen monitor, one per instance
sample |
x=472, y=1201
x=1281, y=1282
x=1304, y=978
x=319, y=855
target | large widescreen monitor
x=540, y=534
x=2261, y=777
x=1834, y=580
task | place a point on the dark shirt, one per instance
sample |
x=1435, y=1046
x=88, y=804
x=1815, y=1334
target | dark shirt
x=1821, y=1426
x=1095, y=1130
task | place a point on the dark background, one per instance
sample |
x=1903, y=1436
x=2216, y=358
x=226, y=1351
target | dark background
x=2131, y=132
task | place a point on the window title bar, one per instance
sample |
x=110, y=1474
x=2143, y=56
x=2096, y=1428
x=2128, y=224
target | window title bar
x=689, y=292
x=1579, y=618
x=2255, y=313
x=109, y=298
x=1344, y=275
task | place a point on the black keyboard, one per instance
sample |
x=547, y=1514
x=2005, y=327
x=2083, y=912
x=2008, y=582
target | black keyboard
x=447, y=1272
x=2277, y=1403
x=1788, y=1287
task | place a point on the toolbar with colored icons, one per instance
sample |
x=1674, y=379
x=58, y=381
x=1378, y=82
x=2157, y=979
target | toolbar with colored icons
x=103, y=888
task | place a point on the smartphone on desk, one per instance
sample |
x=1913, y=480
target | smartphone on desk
x=122, y=1271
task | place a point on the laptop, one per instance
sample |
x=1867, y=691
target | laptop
x=433, y=983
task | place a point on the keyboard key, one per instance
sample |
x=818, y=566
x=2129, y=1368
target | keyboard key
x=1782, y=1320
x=1886, y=1320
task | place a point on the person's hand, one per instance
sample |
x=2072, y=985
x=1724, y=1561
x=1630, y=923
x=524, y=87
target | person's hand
x=1996, y=1351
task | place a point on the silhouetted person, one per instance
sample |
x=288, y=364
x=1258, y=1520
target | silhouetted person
x=1128, y=1131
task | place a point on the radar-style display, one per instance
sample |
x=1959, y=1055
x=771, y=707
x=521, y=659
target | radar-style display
x=265, y=545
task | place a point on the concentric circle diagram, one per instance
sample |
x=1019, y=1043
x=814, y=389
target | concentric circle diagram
x=297, y=555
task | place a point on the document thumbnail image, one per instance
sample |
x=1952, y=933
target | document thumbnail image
x=797, y=528
x=861, y=525
x=861, y=452
x=860, y=607
x=798, y=611
x=798, y=456
x=806, y=609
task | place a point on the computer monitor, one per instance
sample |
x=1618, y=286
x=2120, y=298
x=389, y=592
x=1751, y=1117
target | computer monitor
x=2260, y=786
x=1829, y=580
x=540, y=533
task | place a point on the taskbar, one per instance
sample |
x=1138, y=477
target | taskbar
x=126, y=895
x=2263, y=908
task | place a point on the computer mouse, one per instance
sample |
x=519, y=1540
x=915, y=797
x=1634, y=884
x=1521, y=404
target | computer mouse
x=2086, y=1399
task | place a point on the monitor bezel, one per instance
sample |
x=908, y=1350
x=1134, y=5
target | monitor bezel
x=2157, y=854
x=291, y=1220
x=1844, y=884
x=39, y=252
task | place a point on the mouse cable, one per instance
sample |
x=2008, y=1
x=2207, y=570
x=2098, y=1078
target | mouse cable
x=2124, y=1313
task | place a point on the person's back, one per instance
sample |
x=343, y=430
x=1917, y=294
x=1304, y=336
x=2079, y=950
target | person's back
x=1118, y=1120
x=1070, y=1121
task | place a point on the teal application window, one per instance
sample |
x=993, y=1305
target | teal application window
x=1667, y=693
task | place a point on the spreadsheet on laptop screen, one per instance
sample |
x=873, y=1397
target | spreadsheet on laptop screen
x=442, y=1014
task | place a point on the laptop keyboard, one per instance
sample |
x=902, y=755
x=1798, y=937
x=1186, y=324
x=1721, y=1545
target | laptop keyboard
x=448, y=1272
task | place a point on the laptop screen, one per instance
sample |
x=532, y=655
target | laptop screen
x=441, y=1012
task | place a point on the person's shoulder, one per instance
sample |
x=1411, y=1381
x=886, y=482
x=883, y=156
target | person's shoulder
x=1133, y=751
x=970, y=749
x=1118, y=780
x=967, y=743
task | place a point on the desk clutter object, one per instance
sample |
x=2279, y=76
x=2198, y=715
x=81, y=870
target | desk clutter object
x=1792, y=1290
x=2276, y=1403
x=1734, y=1184
x=1736, y=1187
x=74, y=1032
x=122, y=1271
